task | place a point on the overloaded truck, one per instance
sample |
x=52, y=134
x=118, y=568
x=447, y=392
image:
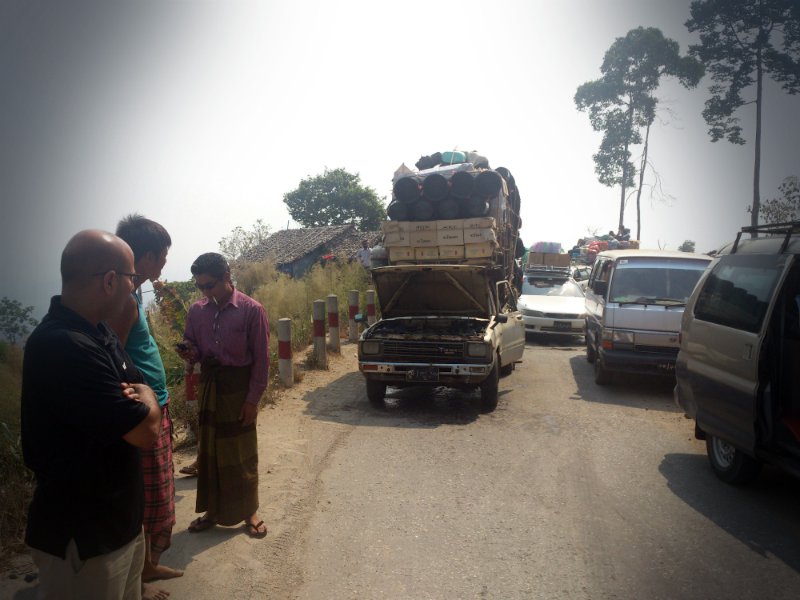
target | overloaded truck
x=448, y=305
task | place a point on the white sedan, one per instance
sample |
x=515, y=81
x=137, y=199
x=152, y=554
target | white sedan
x=552, y=305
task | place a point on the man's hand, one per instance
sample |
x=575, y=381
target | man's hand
x=187, y=351
x=248, y=414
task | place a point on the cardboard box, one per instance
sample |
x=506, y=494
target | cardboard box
x=394, y=226
x=535, y=258
x=450, y=237
x=396, y=239
x=420, y=226
x=451, y=252
x=422, y=239
x=426, y=253
x=401, y=253
x=481, y=250
x=476, y=236
x=450, y=224
x=480, y=223
x=556, y=260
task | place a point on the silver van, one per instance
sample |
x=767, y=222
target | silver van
x=738, y=370
x=634, y=303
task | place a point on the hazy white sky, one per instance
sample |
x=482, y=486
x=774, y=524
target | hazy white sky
x=202, y=115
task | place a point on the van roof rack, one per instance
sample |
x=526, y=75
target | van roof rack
x=786, y=229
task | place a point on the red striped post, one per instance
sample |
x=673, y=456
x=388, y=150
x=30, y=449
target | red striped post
x=320, y=352
x=285, y=352
x=352, y=311
x=370, y=294
x=333, y=323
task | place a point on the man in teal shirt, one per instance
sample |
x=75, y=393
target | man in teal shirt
x=150, y=243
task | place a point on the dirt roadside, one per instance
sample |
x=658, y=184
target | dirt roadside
x=294, y=449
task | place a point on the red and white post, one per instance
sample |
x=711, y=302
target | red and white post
x=285, y=369
x=320, y=352
x=333, y=323
x=370, y=294
x=352, y=311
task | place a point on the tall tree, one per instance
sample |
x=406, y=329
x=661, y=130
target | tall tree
x=240, y=241
x=622, y=101
x=786, y=207
x=741, y=41
x=335, y=198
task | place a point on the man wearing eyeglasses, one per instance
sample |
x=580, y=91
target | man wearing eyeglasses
x=85, y=415
x=228, y=333
x=150, y=243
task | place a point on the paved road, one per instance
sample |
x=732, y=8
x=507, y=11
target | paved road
x=566, y=491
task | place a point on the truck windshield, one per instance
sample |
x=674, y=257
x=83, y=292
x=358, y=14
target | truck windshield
x=661, y=285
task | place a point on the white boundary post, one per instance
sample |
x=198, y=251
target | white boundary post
x=285, y=369
x=333, y=323
x=320, y=352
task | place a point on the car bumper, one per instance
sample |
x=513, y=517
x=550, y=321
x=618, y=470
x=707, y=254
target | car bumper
x=447, y=374
x=554, y=326
x=631, y=361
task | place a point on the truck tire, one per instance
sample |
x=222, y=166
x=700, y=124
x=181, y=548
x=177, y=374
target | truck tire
x=507, y=370
x=376, y=392
x=489, y=389
x=591, y=355
x=729, y=463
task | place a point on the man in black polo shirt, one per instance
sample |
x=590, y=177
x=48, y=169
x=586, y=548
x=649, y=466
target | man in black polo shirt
x=85, y=414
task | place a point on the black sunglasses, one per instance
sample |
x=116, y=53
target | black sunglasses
x=205, y=287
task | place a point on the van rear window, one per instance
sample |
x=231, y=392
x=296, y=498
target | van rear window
x=737, y=295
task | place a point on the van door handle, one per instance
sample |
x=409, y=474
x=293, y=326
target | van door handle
x=747, y=353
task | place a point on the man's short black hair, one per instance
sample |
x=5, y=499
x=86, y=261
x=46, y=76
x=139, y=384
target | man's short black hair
x=143, y=235
x=210, y=263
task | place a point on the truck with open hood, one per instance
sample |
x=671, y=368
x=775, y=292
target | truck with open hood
x=452, y=325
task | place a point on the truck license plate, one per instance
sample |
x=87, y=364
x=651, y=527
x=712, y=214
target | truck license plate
x=562, y=325
x=423, y=374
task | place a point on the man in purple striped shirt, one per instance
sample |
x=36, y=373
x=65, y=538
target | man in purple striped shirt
x=227, y=332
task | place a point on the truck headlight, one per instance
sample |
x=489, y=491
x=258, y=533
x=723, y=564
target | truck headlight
x=475, y=350
x=623, y=337
x=370, y=347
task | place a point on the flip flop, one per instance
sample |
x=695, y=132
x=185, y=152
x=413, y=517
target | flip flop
x=253, y=530
x=190, y=470
x=201, y=524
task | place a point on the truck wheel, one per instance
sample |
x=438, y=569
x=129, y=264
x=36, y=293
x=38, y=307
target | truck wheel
x=376, y=391
x=601, y=375
x=489, y=389
x=729, y=463
x=591, y=355
x=507, y=370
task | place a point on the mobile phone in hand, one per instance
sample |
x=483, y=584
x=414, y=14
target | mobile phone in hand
x=182, y=346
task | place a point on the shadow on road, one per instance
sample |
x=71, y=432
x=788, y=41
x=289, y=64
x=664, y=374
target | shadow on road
x=762, y=515
x=345, y=401
x=631, y=390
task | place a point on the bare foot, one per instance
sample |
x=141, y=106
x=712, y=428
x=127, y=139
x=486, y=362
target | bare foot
x=255, y=527
x=151, y=592
x=153, y=572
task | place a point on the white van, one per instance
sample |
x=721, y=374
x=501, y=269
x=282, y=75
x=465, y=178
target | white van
x=634, y=304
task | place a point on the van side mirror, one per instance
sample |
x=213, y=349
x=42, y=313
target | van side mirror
x=499, y=318
x=600, y=287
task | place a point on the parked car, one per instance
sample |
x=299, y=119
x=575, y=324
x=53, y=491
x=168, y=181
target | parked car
x=552, y=303
x=634, y=303
x=737, y=370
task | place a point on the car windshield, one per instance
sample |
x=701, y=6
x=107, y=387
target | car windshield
x=550, y=287
x=653, y=285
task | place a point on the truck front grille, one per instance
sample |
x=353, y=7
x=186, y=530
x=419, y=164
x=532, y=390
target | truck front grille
x=417, y=351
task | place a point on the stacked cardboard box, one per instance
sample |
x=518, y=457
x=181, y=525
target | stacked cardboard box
x=442, y=241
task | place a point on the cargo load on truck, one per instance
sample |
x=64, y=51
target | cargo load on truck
x=462, y=213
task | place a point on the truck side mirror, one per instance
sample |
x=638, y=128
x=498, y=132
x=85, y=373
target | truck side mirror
x=360, y=318
x=600, y=287
x=499, y=318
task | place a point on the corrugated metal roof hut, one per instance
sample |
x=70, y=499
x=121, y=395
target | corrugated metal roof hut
x=295, y=251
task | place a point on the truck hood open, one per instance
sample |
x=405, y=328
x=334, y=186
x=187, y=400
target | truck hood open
x=435, y=290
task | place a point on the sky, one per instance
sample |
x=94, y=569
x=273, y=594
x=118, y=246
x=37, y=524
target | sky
x=202, y=115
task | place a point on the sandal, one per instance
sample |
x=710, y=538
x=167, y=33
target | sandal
x=201, y=524
x=190, y=470
x=254, y=530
